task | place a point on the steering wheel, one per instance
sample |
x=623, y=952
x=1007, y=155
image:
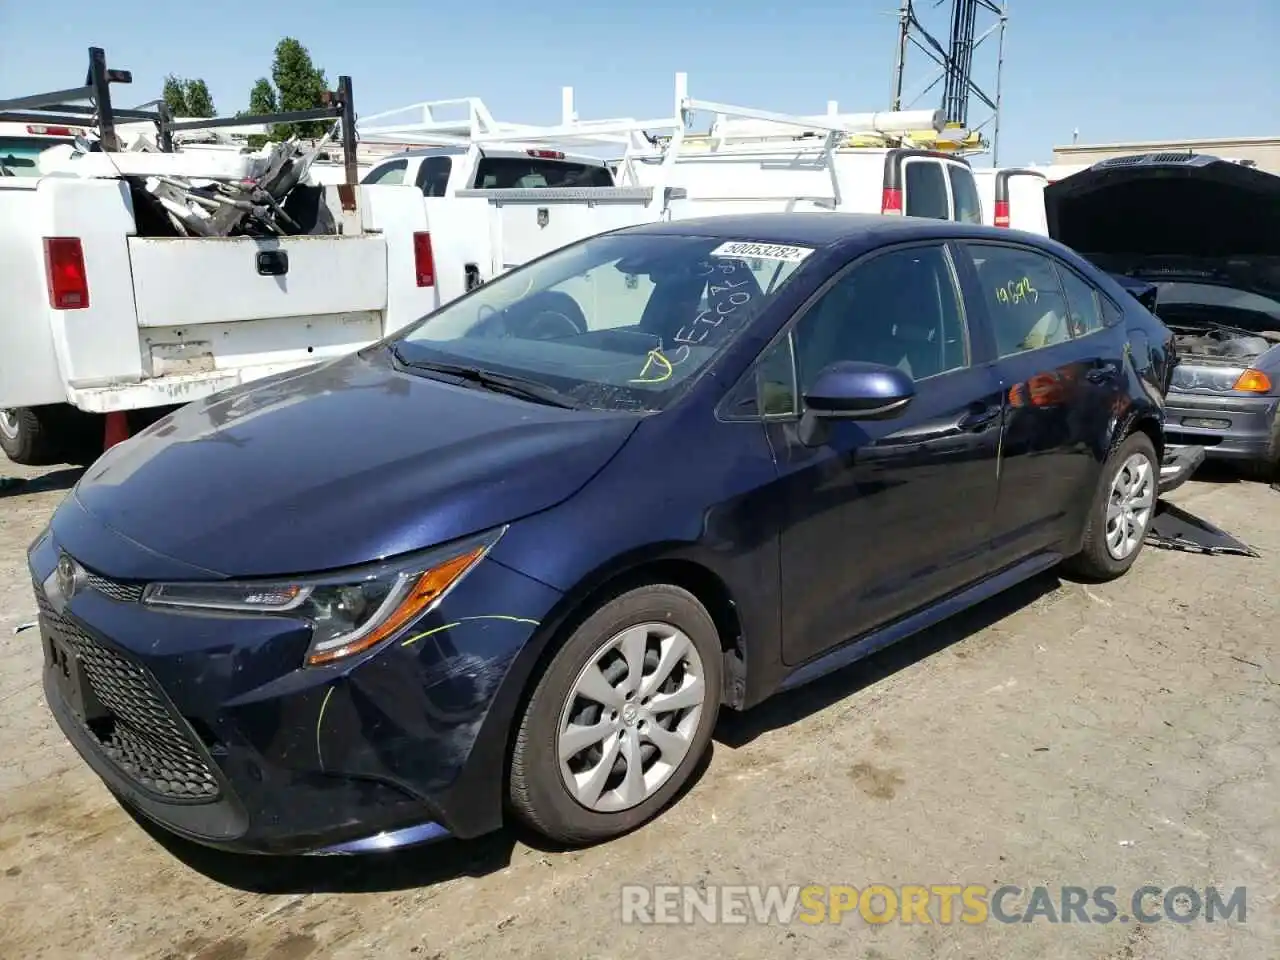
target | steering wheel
x=546, y=316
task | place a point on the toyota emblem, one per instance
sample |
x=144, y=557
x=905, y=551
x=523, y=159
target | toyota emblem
x=70, y=577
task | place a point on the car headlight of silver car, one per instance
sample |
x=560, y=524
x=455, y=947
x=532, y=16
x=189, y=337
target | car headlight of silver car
x=350, y=610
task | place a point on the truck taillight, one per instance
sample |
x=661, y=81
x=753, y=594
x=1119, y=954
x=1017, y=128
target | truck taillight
x=1002, y=213
x=64, y=272
x=546, y=154
x=891, y=201
x=40, y=130
x=424, y=264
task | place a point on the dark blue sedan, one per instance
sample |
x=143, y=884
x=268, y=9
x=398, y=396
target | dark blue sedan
x=518, y=556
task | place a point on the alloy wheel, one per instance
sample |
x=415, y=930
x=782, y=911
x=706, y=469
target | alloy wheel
x=630, y=717
x=1129, y=506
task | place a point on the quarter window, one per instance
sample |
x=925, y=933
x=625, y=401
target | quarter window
x=1082, y=302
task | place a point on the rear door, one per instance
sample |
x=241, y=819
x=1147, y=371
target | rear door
x=1057, y=387
x=924, y=183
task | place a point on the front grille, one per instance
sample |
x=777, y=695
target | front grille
x=114, y=589
x=142, y=734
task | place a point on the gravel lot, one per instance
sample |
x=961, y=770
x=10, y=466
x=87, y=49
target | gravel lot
x=1118, y=735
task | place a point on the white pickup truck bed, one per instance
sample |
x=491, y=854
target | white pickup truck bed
x=166, y=320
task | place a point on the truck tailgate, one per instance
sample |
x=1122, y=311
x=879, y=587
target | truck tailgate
x=181, y=280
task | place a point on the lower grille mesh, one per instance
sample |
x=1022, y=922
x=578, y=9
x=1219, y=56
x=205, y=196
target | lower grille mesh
x=142, y=735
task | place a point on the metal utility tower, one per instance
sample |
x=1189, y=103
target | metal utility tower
x=955, y=60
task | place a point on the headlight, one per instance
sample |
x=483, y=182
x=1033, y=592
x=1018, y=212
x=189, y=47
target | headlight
x=349, y=610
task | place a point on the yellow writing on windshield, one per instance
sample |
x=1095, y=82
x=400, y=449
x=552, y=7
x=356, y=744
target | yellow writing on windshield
x=1018, y=291
x=656, y=369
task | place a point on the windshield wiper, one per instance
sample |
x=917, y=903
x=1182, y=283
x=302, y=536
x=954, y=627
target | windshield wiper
x=522, y=387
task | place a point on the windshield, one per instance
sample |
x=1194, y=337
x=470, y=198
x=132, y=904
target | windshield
x=1181, y=302
x=621, y=321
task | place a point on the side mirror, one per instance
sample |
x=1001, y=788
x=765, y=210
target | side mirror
x=852, y=390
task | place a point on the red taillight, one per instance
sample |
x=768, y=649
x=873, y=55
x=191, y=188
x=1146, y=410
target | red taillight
x=1002, y=213
x=891, y=201
x=64, y=272
x=43, y=131
x=546, y=154
x=424, y=264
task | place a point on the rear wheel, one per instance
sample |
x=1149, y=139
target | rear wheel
x=24, y=436
x=1121, y=514
x=620, y=718
x=46, y=435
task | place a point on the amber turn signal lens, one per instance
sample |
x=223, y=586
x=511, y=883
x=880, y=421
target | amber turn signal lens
x=426, y=589
x=1253, y=381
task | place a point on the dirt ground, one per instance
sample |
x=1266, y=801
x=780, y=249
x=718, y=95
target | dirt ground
x=1117, y=735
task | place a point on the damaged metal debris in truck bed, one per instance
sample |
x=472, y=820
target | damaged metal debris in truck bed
x=193, y=194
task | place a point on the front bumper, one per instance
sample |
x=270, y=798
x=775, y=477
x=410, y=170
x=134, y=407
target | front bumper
x=208, y=726
x=1228, y=427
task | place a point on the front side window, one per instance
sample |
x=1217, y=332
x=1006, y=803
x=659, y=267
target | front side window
x=926, y=190
x=1023, y=297
x=615, y=322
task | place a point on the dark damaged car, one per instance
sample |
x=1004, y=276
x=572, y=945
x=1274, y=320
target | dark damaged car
x=1197, y=238
x=515, y=558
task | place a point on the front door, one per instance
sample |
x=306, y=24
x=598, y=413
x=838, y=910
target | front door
x=882, y=517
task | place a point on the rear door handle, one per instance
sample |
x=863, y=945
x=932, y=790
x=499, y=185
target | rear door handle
x=1103, y=373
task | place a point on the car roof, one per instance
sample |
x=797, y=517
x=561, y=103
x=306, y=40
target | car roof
x=822, y=229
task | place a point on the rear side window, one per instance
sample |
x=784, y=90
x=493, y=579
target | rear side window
x=926, y=190
x=1023, y=297
x=390, y=174
x=433, y=176
x=965, y=193
x=1082, y=301
x=519, y=173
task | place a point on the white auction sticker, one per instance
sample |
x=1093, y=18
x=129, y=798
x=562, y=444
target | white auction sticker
x=762, y=251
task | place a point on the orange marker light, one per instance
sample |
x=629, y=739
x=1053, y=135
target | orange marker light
x=1253, y=381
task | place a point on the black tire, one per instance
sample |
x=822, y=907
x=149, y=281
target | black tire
x=52, y=434
x=537, y=792
x=24, y=436
x=1094, y=561
x=1266, y=470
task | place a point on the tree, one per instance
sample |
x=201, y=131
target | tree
x=188, y=97
x=298, y=85
x=199, y=100
x=175, y=95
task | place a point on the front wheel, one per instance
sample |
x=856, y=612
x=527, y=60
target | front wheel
x=1121, y=514
x=620, y=718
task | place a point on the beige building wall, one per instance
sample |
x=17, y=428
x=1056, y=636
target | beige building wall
x=1263, y=151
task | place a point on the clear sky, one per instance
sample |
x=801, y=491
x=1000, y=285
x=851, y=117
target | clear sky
x=1123, y=70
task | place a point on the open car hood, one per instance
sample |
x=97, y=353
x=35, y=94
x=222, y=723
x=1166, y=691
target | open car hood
x=1172, y=214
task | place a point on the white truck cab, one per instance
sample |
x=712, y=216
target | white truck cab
x=22, y=143
x=443, y=171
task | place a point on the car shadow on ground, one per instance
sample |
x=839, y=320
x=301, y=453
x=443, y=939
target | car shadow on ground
x=736, y=730
x=62, y=479
x=453, y=859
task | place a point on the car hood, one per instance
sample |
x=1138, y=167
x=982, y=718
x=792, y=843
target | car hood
x=1166, y=205
x=337, y=465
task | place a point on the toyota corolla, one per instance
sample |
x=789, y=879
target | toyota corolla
x=515, y=558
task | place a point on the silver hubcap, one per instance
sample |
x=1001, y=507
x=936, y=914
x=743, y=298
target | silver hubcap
x=1129, y=506
x=8, y=424
x=630, y=717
